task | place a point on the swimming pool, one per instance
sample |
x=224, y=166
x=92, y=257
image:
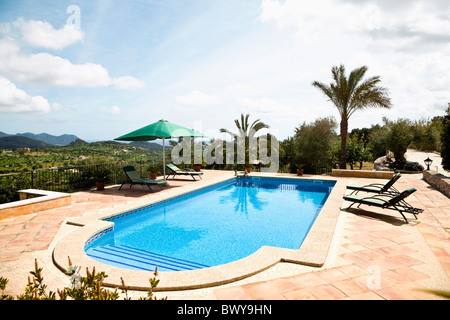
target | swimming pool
x=213, y=226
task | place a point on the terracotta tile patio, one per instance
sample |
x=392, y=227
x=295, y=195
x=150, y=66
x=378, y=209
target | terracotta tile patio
x=374, y=254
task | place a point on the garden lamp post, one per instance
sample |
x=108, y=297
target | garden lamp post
x=428, y=162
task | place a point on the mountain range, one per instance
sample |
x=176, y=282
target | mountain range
x=31, y=140
x=45, y=140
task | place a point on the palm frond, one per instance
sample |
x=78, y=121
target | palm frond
x=326, y=90
x=243, y=127
x=353, y=93
x=355, y=77
x=238, y=125
x=234, y=135
x=258, y=126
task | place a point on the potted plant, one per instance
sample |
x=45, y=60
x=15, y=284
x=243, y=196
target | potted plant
x=299, y=169
x=197, y=167
x=248, y=167
x=154, y=171
x=100, y=175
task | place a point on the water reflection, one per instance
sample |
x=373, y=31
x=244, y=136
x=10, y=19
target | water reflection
x=243, y=194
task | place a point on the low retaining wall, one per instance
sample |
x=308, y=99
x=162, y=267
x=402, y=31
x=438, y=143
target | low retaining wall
x=438, y=181
x=33, y=200
x=362, y=173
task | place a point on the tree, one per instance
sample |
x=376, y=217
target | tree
x=315, y=139
x=427, y=134
x=445, y=139
x=399, y=137
x=311, y=141
x=287, y=154
x=246, y=132
x=356, y=152
x=361, y=135
x=352, y=94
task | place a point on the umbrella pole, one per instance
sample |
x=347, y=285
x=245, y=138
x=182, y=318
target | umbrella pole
x=164, y=160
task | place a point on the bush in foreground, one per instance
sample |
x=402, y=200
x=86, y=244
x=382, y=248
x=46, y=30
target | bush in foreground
x=81, y=288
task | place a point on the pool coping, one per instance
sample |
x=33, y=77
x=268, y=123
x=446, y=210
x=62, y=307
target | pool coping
x=313, y=251
x=32, y=201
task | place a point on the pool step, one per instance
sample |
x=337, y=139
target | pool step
x=131, y=258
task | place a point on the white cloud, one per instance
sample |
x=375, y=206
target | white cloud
x=127, y=82
x=45, y=68
x=14, y=100
x=42, y=34
x=414, y=23
x=8, y=47
x=115, y=110
x=263, y=105
x=198, y=98
x=314, y=18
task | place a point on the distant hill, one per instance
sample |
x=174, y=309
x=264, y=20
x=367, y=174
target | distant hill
x=45, y=140
x=107, y=143
x=34, y=140
x=2, y=134
x=78, y=142
x=14, y=142
x=147, y=145
x=61, y=140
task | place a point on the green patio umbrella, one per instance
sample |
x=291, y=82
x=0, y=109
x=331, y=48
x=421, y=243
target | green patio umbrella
x=161, y=129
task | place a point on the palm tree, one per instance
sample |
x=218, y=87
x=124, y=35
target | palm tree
x=352, y=94
x=246, y=132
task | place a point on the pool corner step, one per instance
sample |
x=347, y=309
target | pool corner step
x=131, y=258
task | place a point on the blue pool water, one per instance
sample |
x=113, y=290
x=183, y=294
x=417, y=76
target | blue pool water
x=216, y=225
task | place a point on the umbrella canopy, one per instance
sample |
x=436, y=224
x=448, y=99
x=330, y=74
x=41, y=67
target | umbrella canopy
x=161, y=129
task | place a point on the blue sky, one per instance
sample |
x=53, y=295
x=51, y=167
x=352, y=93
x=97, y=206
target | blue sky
x=99, y=69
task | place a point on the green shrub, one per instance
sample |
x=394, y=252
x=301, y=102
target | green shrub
x=81, y=288
x=8, y=193
x=445, y=138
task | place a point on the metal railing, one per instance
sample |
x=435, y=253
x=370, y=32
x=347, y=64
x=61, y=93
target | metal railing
x=310, y=165
x=70, y=178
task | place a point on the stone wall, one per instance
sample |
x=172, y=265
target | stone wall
x=438, y=181
x=362, y=173
x=32, y=201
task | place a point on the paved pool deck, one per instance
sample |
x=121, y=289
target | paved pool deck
x=373, y=253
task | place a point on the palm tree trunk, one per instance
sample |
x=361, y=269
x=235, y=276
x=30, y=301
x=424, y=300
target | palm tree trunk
x=344, y=132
